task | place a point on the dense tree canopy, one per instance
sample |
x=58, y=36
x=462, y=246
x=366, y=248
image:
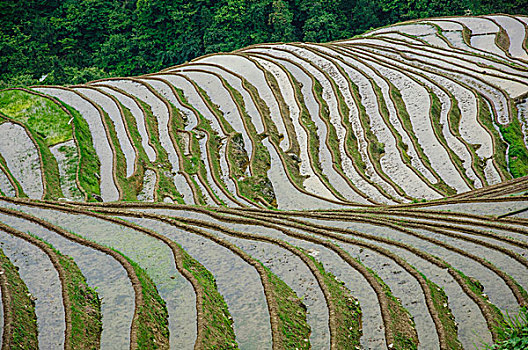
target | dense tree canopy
x=71, y=41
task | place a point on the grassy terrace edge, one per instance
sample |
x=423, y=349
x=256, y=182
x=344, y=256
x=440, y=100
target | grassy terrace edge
x=85, y=305
x=20, y=321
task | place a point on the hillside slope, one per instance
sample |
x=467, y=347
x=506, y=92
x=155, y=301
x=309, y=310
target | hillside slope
x=410, y=141
x=419, y=110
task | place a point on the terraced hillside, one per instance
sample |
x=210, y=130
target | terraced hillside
x=367, y=193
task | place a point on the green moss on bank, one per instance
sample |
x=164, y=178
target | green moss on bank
x=295, y=331
x=436, y=111
x=195, y=164
x=447, y=319
x=454, y=125
x=291, y=164
x=39, y=113
x=153, y=317
x=313, y=139
x=130, y=186
x=89, y=164
x=478, y=289
x=518, y=153
x=401, y=324
x=50, y=168
x=166, y=187
x=218, y=323
x=258, y=184
x=24, y=320
x=85, y=306
x=347, y=309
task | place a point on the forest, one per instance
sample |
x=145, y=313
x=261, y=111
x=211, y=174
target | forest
x=73, y=41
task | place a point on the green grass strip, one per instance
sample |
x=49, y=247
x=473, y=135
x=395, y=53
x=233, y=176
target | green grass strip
x=436, y=111
x=50, y=168
x=136, y=180
x=513, y=333
x=313, y=138
x=478, y=289
x=129, y=186
x=213, y=143
x=257, y=185
x=85, y=305
x=518, y=153
x=332, y=134
x=24, y=320
x=166, y=185
x=153, y=317
x=454, y=117
x=407, y=125
x=500, y=146
x=39, y=113
x=375, y=148
x=294, y=329
x=89, y=164
x=348, y=312
x=218, y=323
x=401, y=323
x=4, y=167
x=292, y=166
x=284, y=111
x=447, y=319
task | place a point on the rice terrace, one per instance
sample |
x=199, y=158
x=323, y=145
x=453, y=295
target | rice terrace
x=368, y=193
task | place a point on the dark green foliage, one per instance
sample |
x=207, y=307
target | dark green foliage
x=74, y=41
x=513, y=333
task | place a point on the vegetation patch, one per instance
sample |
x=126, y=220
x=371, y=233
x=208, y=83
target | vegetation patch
x=376, y=149
x=50, y=169
x=436, y=111
x=513, y=333
x=218, y=323
x=166, y=185
x=38, y=113
x=20, y=308
x=142, y=162
x=195, y=164
x=129, y=187
x=500, y=147
x=7, y=171
x=292, y=166
x=214, y=141
x=192, y=163
x=258, y=184
x=347, y=310
x=332, y=139
x=405, y=119
x=85, y=305
x=295, y=332
x=454, y=125
x=284, y=112
x=447, y=319
x=89, y=165
x=401, y=323
x=517, y=153
x=313, y=138
x=49, y=163
x=478, y=289
x=153, y=318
